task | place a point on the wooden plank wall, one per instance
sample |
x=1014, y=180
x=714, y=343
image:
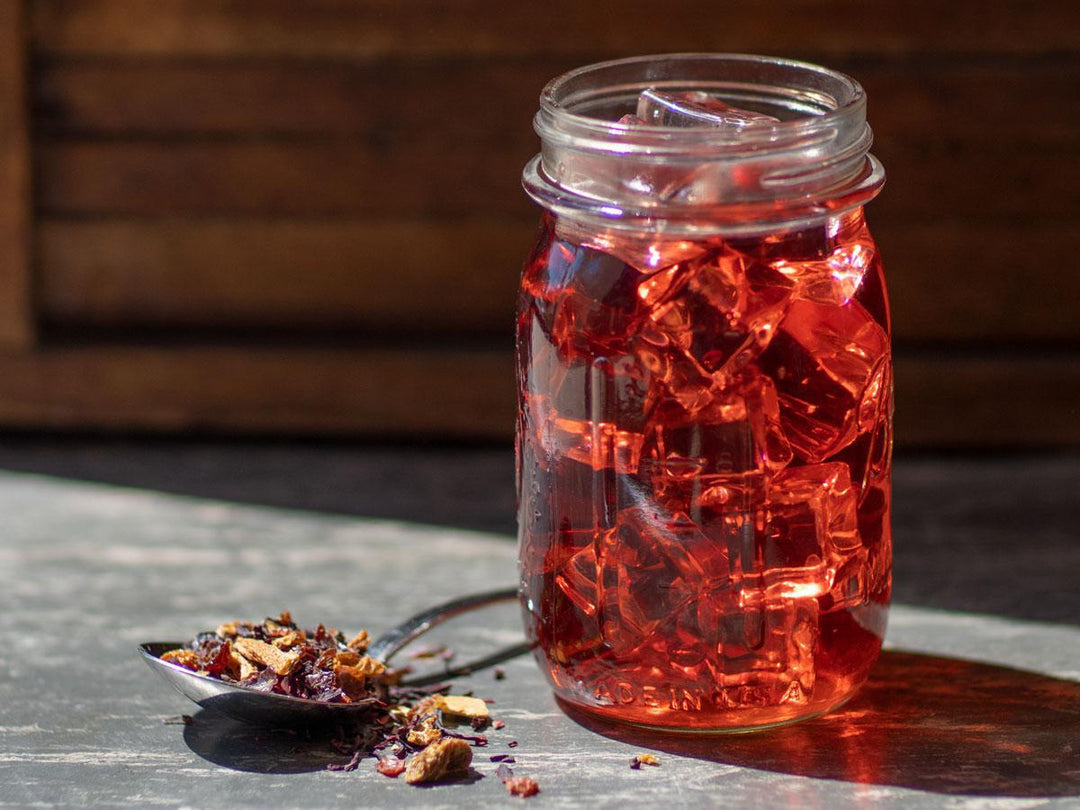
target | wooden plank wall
x=263, y=215
x=17, y=321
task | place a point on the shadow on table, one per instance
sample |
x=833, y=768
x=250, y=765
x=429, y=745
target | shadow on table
x=922, y=722
x=240, y=746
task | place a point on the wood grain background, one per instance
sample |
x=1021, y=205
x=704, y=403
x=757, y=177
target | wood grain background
x=305, y=218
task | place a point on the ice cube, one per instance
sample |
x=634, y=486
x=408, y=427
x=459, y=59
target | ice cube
x=873, y=297
x=869, y=455
x=645, y=252
x=811, y=532
x=578, y=579
x=717, y=440
x=825, y=360
x=876, y=533
x=564, y=494
x=736, y=492
x=682, y=387
x=833, y=280
x=538, y=358
x=545, y=276
x=615, y=388
x=737, y=433
x=760, y=656
x=722, y=311
x=597, y=444
x=850, y=588
x=804, y=244
x=763, y=412
x=600, y=303
x=555, y=614
x=586, y=300
x=651, y=566
x=596, y=411
x=692, y=108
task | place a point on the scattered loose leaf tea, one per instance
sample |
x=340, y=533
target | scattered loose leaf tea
x=410, y=731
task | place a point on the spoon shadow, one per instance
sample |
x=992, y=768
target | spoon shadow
x=923, y=722
x=241, y=746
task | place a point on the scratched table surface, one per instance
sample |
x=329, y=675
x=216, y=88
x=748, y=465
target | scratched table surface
x=964, y=709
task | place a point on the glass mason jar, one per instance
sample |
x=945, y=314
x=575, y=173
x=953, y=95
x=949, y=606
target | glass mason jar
x=704, y=393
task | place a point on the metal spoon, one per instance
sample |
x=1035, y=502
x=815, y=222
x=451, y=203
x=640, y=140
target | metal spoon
x=270, y=708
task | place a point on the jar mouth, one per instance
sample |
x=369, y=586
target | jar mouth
x=815, y=153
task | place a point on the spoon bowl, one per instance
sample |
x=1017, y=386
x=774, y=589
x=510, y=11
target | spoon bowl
x=274, y=709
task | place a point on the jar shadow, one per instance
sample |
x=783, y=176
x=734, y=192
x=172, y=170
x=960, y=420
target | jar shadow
x=922, y=722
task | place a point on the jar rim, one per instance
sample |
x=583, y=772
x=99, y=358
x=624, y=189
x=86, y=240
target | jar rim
x=813, y=159
x=836, y=95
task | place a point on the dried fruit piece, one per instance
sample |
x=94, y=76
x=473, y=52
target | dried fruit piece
x=347, y=658
x=359, y=642
x=522, y=786
x=426, y=732
x=185, y=658
x=443, y=758
x=424, y=707
x=291, y=639
x=266, y=654
x=469, y=708
x=241, y=667
x=644, y=759
x=355, y=680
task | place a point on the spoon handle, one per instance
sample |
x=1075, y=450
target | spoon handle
x=393, y=640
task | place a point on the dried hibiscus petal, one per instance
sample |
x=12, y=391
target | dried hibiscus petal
x=391, y=766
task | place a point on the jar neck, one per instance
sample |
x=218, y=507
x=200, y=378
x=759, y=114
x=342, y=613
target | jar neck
x=813, y=162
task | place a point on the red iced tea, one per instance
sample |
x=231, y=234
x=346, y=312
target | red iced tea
x=704, y=445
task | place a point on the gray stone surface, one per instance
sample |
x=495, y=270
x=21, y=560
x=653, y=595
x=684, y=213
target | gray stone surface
x=992, y=534
x=963, y=711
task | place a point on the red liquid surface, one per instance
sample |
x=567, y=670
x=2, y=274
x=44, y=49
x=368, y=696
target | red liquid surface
x=704, y=445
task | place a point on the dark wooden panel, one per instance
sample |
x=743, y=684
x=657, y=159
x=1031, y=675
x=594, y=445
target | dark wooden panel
x=991, y=281
x=1022, y=102
x=355, y=29
x=961, y=402
x=477, y=100
x=949, y=280
x=437, y=176
x=280, y=390
x=392, y=99
x=988, y=402
x=322, y=179
x=328, y=179
x=458, y=276
x=16, y=316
